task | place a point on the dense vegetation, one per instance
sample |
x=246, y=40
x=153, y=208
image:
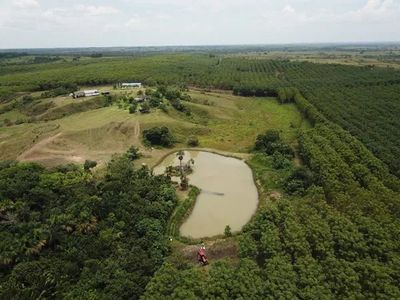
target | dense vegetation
x=66, y=234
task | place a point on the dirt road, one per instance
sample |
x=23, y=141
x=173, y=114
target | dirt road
x=38, y=146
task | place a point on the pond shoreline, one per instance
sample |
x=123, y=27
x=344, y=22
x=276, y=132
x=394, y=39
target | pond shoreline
x=233, y=198
x=182, y=212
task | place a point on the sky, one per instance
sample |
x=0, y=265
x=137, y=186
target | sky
x=101, y=23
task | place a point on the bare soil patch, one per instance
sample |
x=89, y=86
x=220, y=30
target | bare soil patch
x=215, y=250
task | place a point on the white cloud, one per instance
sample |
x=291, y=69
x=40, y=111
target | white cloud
x=163, y=17
x=133, y=21
x=111, y=27
x=99, y=10
x=375, y=11
x=50, y=16
x=288, y=9
x=26, y=3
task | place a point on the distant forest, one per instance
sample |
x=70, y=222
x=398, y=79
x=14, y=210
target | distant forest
x=215, y=49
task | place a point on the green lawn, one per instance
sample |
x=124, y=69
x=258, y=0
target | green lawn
x=12, y=116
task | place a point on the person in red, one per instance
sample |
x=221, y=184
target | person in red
x=201, y=256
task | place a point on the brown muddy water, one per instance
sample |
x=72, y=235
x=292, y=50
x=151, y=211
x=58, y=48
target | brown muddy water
x=228, y=193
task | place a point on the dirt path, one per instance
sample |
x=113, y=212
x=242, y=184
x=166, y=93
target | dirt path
x=215, y=250
x=137, y=131
x=37, y=146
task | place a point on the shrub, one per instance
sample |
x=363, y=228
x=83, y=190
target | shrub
x=228, y=231
x=89, y=164
x=193, y=141
x=271, y=143
x=263, y=140
x=155, y=102
x=280, y=147
x=163, y=107
x=27, y=99
x=158, y=136
x=299, y=180
x=184, y=183
x=279, y=161
x=132, y=109
x=145, y=108
x=133, y=153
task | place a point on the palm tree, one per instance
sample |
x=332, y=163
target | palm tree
x=188, y=164
x=180, y=155
x=184, y=182
x=191, y=161
x=169, y=171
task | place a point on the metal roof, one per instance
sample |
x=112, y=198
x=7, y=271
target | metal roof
x=132, y=83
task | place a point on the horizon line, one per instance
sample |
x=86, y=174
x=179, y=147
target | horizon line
x=211, y=45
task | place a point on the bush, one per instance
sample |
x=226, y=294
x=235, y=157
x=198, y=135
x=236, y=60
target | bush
x=171, y=94
x=193, y=141
x=8, y=122
x=163, y=107
x=132, y=109
x=145, y=108
x=184, y=183
x=133, y=153
x=27, y=99
x=158, y=136
x=228, y=231
x=279, y=161
x=270, y=143
x=263, y=140
x=280, y=147
x=89, y=164
x=299, y=180
x=155, y=102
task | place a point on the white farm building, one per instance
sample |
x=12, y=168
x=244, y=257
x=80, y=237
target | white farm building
x=89, y=93
x=131, y=85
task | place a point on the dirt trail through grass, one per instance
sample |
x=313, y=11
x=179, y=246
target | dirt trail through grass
x=38, y=146
x=215, y=250
x=137, y=131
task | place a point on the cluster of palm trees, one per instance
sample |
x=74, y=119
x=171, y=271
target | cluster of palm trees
x=183, y=168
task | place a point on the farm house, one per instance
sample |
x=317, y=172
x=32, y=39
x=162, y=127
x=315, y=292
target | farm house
x=130, y=85
x=90, y=93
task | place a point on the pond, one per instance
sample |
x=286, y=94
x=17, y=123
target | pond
x=228, y=193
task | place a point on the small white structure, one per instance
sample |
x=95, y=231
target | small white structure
x=79, y=94
x=131, y=85
x=91, y=93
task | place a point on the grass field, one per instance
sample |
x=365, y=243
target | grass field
x=221, y=121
